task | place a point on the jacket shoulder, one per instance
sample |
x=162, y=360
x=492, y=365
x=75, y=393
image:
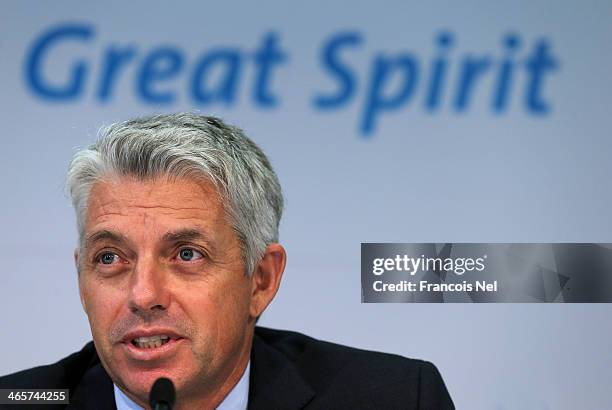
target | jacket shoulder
x=65, y=373
x=381, y=379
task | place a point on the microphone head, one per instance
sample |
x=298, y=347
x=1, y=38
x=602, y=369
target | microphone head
x=162, y=392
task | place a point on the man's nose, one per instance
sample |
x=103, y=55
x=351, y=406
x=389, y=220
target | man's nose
x=148, y=287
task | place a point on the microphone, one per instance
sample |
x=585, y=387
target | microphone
x=162, y=394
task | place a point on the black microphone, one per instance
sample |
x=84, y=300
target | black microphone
x=162, y=394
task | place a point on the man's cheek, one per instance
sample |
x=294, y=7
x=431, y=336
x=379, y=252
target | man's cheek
x=98, y=322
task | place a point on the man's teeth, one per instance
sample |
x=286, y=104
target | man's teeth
x=149, y=342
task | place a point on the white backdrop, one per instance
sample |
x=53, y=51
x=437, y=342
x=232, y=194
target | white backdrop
x=535, y=171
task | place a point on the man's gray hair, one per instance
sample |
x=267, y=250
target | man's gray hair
x=188, y=145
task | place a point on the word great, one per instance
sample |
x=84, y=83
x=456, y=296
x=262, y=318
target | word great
x=67, y=62
x=156, y=69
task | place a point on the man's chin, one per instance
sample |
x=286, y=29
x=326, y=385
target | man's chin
x=137, y=382
x=136, y=371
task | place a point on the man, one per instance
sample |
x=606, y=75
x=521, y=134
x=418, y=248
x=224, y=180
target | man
x=178, y=256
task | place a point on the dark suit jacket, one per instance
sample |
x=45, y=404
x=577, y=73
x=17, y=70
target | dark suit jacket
x=288, y=371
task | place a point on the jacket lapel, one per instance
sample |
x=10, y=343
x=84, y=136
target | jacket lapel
x=275, y=381
x=94, y=392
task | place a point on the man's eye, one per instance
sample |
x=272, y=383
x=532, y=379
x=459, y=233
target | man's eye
x=108, y=258
x=189, y=254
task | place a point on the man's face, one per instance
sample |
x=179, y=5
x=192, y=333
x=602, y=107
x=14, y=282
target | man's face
x=162, y=282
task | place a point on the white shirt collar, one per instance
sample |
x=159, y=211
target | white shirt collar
x=237, y=399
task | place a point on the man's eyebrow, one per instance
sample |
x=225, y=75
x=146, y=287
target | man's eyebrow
x=184, y=235
x=171, y=236
x=104, y=234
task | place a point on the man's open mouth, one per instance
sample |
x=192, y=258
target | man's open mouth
x=150, y=342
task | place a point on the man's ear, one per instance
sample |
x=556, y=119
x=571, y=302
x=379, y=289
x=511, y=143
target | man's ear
x=266, y=278
x=78, y=269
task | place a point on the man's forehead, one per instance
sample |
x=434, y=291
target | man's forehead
x=182, y=201
x=175, y=193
